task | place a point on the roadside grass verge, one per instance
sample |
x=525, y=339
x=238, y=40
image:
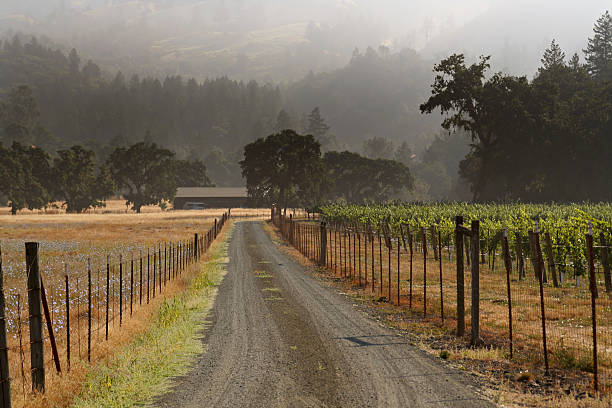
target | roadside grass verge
x=145, y=367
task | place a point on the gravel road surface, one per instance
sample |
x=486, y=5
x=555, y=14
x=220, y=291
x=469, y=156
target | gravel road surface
x=279, y=338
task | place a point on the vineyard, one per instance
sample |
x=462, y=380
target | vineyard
x=543, y=273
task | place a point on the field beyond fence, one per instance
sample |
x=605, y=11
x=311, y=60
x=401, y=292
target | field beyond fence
x=92, y=277
x=534, y=306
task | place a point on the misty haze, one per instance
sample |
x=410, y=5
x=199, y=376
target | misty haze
x=324, y=203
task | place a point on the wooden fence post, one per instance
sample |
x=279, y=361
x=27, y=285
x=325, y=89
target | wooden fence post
x=154, y=270
x=365, y=257
x=323, y=241
x=35, y=312
x=398, y=265
x=5, y=378
x=371, y=234
x=196, y=249
x=411, y=247
x=460, y=277
x=475, y=244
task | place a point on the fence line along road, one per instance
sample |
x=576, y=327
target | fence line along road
x=102, y=301
x=539, y=319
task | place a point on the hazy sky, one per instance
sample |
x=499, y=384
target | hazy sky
x=514, y=32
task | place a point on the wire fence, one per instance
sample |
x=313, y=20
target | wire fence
x=91, y=304
x=530, y=305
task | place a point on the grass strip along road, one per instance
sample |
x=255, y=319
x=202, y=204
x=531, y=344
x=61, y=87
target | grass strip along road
x=145, y=367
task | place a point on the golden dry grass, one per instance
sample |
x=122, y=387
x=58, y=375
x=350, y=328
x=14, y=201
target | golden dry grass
x=71, y=239
x=118, y=206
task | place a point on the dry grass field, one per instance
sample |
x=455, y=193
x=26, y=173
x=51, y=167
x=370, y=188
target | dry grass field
x=72, y=240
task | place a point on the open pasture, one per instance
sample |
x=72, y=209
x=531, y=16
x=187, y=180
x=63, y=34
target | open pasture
x=130, y=260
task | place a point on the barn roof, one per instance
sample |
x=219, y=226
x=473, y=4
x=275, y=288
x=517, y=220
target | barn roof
x=209, y=192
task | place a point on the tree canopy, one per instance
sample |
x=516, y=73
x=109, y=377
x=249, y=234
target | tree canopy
x=356, y=179
x=146, y=173
x=25, y=182
x=76, y=181
x=540, y=140
x=599, y=48
x=282, y=169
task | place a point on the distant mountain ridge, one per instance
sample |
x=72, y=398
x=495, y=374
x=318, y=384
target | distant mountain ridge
x=517, y=33
x=241, y=39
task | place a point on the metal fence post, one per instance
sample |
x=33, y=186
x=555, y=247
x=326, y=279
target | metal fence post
x=508, y=265
x=440, y=263
x=67, y=317
x=593, y=285
x=107, y=294
x=424, y=230
x=5, y=379
x=540, y=274
x=120, y=290
x=475, y=246
x=89, y=311
x=131, y=284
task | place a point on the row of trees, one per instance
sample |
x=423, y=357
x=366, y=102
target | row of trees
x=287, y=169
x=541, y=140
x=144, y=173
x=71, y=101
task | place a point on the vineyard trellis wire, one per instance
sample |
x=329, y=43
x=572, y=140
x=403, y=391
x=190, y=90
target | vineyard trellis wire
x=88, y=306
x=537, y=300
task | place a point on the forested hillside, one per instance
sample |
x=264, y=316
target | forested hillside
x=377, y=94
x=541, y=138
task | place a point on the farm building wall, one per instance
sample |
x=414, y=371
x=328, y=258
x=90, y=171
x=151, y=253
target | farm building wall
x=211, y=202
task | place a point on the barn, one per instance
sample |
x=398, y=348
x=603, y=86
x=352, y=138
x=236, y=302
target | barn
x=192, y=198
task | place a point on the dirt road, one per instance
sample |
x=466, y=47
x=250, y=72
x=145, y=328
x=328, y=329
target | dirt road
x=279, y=338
